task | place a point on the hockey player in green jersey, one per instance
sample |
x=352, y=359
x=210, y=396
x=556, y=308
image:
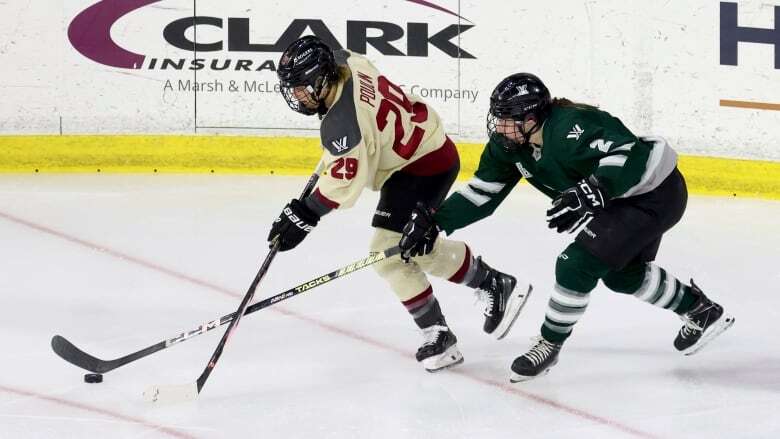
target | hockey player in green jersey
x=619, y=192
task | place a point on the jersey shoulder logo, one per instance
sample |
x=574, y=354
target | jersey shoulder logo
x=575, y=132
x=601, y=145
x=523, y=171
x=537, y=152
x=340, y=145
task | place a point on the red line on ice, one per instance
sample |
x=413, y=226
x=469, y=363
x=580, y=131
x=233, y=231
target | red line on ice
x=117, y=254
x=506, y=387
x=53, y=399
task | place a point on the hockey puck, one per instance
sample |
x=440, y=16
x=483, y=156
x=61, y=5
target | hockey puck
x=93, y=378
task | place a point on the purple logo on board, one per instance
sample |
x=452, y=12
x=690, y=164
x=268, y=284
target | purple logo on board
x=90, y=33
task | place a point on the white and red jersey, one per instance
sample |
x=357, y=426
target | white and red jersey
x=372, y=130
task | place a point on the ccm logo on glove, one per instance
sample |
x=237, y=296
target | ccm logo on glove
x=594, y=199
x=576, y=206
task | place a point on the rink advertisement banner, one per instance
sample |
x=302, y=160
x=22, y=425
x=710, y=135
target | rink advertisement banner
x=212, y=65
x=702, y=73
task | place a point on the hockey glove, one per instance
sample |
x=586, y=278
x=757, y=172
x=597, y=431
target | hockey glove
x=292, y=225
x=576, y=206
x=419, y=233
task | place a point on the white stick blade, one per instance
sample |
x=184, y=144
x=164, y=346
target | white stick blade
x=171, y=394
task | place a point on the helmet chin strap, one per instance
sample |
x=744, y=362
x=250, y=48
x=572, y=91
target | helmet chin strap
x=531, y=132
x=321, y=107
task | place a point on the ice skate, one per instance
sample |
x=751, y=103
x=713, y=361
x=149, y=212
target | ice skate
x=503, y=299
x=536, y=362
x=702, y=323
x=440, y=349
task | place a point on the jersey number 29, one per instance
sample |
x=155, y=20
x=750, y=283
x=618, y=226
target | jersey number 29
x=349, y=166
x=394, y=100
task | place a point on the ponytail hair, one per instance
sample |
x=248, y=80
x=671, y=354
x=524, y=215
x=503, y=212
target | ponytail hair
x=566, y=103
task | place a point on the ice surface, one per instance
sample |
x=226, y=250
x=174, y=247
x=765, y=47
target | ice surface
x=116, y=263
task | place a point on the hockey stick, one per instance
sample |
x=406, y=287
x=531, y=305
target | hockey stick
x=187, y=392
x=75, y=356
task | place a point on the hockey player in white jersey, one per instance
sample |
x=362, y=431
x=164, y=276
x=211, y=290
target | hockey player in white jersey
x=374, y=135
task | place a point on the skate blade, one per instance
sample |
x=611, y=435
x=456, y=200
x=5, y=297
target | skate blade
x=724, y=322
x=450, y=357
x=516, y=303
x=515, y=378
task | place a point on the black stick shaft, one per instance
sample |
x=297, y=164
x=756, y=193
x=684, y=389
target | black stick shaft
x=249, y=294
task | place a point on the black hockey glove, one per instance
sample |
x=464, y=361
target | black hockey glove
x=576, y=205
x=419, y=233
x=292, y=225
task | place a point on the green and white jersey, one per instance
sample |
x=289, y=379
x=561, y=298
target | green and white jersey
x=577, y=142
